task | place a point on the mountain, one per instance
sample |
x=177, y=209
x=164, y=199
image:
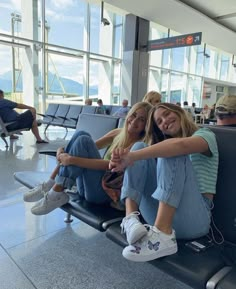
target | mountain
x=70, y=86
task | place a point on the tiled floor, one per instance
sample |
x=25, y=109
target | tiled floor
x=44, y=252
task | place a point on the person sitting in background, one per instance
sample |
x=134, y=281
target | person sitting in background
x=205, y=111
x=189, y=109
x=88, y=101
x=81, y=164
x=101, y=107
x=178, y=103
x=167, y=183
x=212, y=112
x=152, y=97
x=122, y=111
x=24, y=120
x=225, y=110
x=194, y=106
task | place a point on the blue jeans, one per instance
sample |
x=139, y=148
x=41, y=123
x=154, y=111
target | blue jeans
x=89, y=181
x=172, y=181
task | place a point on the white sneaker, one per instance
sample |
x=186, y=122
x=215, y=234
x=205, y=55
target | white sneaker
x=155, y=244
x=46, y=205
x=36, y=193
x=133, y=228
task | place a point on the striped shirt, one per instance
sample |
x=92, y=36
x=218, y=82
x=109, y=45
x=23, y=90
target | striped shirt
x=205, y=167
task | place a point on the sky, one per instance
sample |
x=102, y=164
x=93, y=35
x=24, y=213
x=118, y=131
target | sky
x=66, y=21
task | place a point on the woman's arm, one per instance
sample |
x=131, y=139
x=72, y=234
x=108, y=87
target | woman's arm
x=167, y=148
x=172, y=148
x=96, y=164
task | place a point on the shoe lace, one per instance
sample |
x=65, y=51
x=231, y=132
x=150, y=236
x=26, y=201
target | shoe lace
x=125, y=224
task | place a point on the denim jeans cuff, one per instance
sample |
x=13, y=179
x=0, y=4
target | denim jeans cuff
x=65, y=182
x=166, y=197
x=132, y=194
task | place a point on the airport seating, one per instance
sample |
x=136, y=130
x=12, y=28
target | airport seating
x=4, y=132
x=49, y=115
x=210, y=269
x=60, y=115
x=67, y=115
x=72, y=116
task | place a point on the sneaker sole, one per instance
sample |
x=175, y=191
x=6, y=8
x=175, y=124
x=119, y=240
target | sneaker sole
x=138, y=258
x=32, y=200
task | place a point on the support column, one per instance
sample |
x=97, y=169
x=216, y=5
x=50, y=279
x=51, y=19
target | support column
x=30, y=66
x=135, y=59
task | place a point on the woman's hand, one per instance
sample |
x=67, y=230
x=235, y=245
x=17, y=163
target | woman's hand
x=120, y=159
x=64, y=159
x=59, y=151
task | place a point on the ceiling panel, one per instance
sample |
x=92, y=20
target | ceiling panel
x=190, y=16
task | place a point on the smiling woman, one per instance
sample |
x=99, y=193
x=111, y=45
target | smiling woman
x=174, y=194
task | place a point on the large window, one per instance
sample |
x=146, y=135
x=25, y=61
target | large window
x=66, y=21
x=80, y=58
x=178, y=73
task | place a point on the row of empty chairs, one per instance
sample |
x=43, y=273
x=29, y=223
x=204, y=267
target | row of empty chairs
x=67, y=115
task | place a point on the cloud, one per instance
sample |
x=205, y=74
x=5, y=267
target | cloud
x=11, y=5
x=67, y=67
x=52, y=15
x=63, y=4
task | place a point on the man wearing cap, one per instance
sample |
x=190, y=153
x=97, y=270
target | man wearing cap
x=226, y=110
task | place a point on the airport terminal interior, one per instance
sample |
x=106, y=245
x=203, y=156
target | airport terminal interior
x=66, y=52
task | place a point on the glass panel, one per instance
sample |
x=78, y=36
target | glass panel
x=116, y=84
x=9, y=10
x=194, y=90
x=178, y=59
x=99, y=33
x=164, y=86
x=177, y=87
x=199, y=60
x=6, y=68
x=118, y=30
x=66, y=20
x=65, y=77
x=154, y=80
x=99, y=80
x=224, y=67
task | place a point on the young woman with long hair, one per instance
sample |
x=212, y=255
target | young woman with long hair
x=172, y=184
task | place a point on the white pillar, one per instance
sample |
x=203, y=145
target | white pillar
x=30, y=68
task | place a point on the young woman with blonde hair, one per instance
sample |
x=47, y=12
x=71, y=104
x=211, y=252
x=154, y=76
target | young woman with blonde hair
x=172, y=184
x=81, y=163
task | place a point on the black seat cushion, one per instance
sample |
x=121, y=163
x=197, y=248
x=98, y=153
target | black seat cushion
x=97, y=216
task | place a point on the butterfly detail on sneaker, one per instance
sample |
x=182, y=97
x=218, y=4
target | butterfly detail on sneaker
x=154, y=246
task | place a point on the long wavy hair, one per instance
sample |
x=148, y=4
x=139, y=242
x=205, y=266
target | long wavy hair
x=154, y=134
x=122, y=140
x=152, y=96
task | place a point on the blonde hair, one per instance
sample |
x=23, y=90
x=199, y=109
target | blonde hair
x=154, y=134
x=122, y=139
x=152, y=96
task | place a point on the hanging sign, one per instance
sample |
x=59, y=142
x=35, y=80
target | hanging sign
x=176, y=41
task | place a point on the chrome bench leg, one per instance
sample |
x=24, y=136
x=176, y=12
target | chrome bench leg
x=68, y=218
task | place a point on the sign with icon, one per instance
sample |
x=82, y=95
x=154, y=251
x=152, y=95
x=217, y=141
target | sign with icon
x=176, y=41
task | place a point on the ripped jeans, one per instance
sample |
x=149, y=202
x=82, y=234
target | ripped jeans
x=172, y=181
x=89, y=181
